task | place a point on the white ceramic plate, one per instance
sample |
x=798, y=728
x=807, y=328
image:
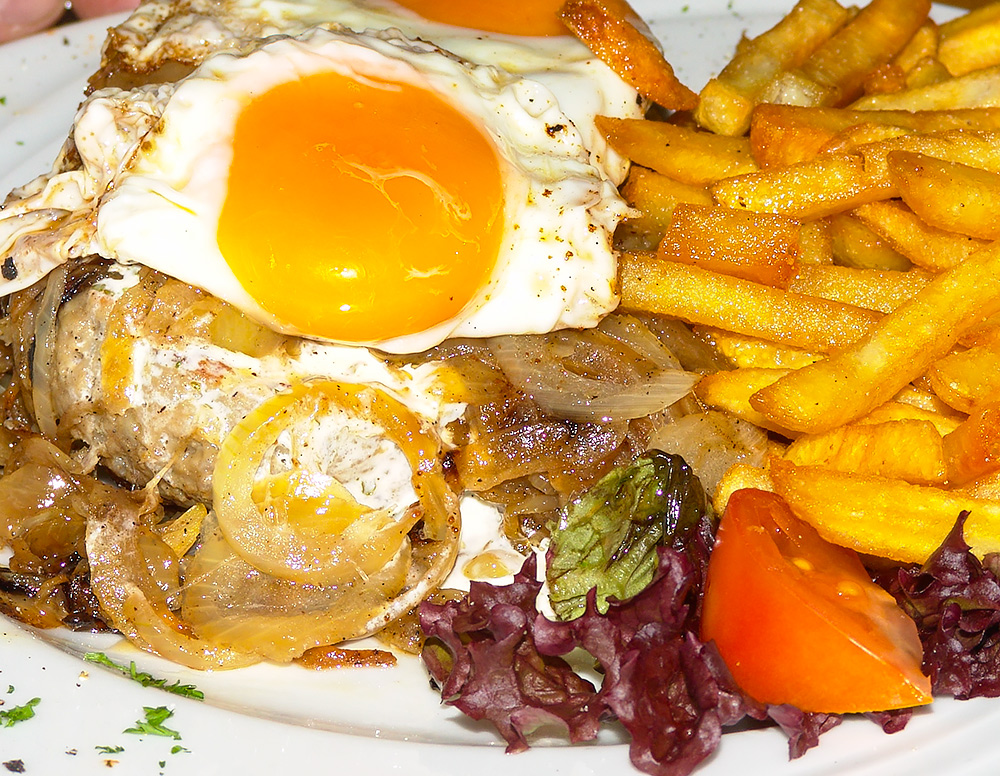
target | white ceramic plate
x=268, y=719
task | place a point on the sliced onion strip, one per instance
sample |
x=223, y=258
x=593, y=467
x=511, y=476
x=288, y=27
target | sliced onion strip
x=617, y=372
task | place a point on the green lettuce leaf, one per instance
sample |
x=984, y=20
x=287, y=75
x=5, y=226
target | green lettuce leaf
x=607, y=538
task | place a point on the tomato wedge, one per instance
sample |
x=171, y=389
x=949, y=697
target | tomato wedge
x=799, y=621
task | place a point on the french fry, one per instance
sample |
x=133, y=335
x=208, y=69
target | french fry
x=655, y=196
x=978, y=89
x=926, y=246
x=888, y=78
x=649, y=284
x=687, y=155
x=786, y=134
x=738, y=477
x=968, y=378
x=987, y=487
x=746, y=351
x=893, y=352
x=971, y=42
x=882, y=516
x=982, y=332
x=760, y=247
x=897, y=410
x=815, y=243
x=927, y=72
x=922, y=46
x=619, y=37
x=727, y=101
x=828, y=184
x=832, y=183
x=973, y=449
x=927, y=400
x=836, y=71
x=855, y=245
x=909, y=450
x=863, y=134
x=948, y=195
x=881, y=290
x=730, y=391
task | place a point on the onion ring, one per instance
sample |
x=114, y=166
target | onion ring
x=367, y=544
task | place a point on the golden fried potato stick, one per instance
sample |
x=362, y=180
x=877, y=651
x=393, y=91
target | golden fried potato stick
x=987, y=487
x=649, y=284
x=897, y=410
x=925, y=399
x=761, y=247
x=746, y=351
x=655, y=195
x=882, y=516
x=948, y=195
x=973, y=449
x=968, y=378
x=863, y=134
x=835, y=182
x=618, y=36
x=927, y=72
x=881, y=290
x=730, y=391
x=887, y=78
x=737, y=477
x=815, y=243
x=921, y=47
x=972, y=41
x=836, y=71
x=926, y=246
x=687, y=155
x=909, y=450
x=785, y=134
x=978, y=89
x=727, y=100
x=857, y=246
x=830, y=183
x=892, y=353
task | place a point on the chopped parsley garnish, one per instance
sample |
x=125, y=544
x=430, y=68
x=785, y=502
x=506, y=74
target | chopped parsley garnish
x=177, y=749
x=3, y=100
x=110, y=749
x=145, y=679
x=10, y=717
x=153, y=724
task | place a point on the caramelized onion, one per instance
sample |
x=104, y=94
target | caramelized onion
x=232, y=603
x=283, y=549
x=711, y=442
x=40, y=519
x=617, y=371
x=132, y=599
x=44, y=358
x=557, y=448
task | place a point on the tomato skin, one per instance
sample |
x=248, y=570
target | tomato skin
x=798, y=620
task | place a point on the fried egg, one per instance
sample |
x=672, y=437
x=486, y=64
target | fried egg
x=336, y=177
x=371, y=190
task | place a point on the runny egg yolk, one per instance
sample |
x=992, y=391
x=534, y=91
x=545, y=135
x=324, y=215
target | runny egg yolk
x=510, y=17
x=360, y=210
